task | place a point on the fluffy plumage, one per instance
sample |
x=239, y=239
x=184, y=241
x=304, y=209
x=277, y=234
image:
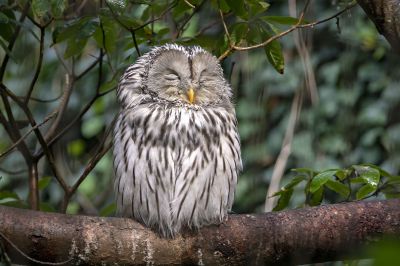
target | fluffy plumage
x=176, y=145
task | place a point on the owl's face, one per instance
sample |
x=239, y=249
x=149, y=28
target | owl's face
x=188, y=75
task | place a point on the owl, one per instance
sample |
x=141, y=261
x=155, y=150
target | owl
x=176, y=144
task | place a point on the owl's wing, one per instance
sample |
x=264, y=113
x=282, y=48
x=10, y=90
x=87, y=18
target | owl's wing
x=210, y=162
x=144, y=168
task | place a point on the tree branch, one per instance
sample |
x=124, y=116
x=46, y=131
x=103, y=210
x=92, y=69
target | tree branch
x=298, y=25
x=300, y=236
x=386, y=16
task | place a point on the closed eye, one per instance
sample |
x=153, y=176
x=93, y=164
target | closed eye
x=171, y=76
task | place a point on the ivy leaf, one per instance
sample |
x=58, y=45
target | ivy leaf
x=320, y=179
x=273, y=50
x=338, y=187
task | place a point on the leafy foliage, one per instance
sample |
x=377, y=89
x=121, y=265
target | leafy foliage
x=354, y=183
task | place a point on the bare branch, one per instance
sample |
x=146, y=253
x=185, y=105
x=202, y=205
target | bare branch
x=38, y=67
x=69, y=85
x=33, y=186
x=102, y=149
x=11, y=43
x=284, y=154
x=386, y=17
x=16, y=143
x=301, y=236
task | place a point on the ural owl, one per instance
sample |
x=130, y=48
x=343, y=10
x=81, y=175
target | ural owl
x=176, y=144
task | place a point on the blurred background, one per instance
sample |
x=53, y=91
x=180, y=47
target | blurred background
x=336, y=104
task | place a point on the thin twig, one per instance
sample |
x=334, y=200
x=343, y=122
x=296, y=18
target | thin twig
x=11, y=126
x=90, y=67
x=283, y=156
x=69, y=84
x=13, y=39
x=16, y=143
x=33, y=186
x=100, y=152
x=42, y=100
x=189, y=4
x=302, y=49
x=30, y=258
x=38, y=67
x=196, y=9
x=39, y=136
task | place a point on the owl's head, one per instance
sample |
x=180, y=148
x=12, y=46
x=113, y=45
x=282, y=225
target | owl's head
x=176, y=74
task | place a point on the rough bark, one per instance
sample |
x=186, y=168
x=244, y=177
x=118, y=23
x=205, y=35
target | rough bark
x=307, y=235
x=386, y=16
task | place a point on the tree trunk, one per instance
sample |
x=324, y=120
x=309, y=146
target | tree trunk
x=317, y=234
x=386, y=16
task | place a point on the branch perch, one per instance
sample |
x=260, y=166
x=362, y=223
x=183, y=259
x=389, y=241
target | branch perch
x=300, y=236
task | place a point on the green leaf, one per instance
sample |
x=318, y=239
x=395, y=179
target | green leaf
x=338, y=187
x=303, y=170
x=381, y=171
x=8, y=195
x=117, y=5
x=44, y=182
x=364, y=191
x=108, y=210
x=342, y=174
x=239, y=31
x=40, y=7
x=283, y=200
x=16, y=204
x=316, y=198
x=58, y=7
x=255, y=8
x=7, y=24
x=74, y=47
x=275, y=57
x=370, y=175
x=110, y=31
x=320, y=179
x=237, y=6
x=295, y=181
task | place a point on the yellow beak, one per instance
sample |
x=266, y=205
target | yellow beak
x=190, y=95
